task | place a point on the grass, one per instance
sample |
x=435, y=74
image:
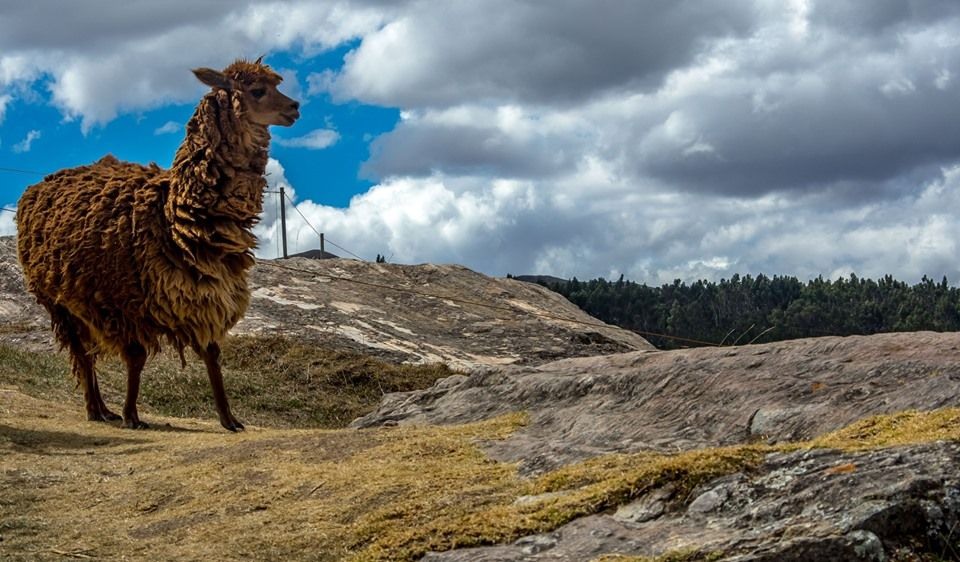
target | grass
x=271, y=381
x=188, y=490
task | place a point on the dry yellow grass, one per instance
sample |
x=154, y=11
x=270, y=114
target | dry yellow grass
x=186, y=490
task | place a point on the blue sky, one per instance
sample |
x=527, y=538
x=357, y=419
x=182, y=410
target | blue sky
x=659, y=140
x=330, y=175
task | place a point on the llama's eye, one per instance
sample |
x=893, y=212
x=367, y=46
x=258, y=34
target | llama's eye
x=258, y=92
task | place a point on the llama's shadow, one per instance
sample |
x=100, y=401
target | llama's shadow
x=43, y=442
x=166, y=427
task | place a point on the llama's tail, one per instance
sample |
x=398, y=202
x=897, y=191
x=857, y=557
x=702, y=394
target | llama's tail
x=71, y=333
x=63, y=324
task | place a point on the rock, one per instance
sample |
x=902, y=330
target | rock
x=536, y=544
x=780, y=421
x=816, y=504
x=708, y=501
x=650, y=506
x=854, y=546
x=688, y=399
x=866, y=515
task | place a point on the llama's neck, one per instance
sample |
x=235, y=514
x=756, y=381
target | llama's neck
x=216, y=181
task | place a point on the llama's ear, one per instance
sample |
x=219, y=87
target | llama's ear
x=212, y=78
x=259, y=60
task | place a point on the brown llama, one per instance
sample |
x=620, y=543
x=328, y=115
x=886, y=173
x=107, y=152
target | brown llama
x=123, y=255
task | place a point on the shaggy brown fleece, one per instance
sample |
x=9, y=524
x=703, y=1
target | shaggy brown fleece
x=124, y=255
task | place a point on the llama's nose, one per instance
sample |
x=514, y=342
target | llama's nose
x=295, y=104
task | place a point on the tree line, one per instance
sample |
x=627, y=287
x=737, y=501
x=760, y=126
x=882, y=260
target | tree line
x=764, y=309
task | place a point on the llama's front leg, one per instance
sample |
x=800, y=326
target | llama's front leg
x=211, y=358
x=135, y=356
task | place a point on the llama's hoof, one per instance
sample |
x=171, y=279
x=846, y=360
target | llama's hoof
x=232, y=425
x=135, y=424
x=103, y=416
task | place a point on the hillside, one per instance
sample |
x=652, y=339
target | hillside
x=813, y=449
x=734, y=454
x=413, y=313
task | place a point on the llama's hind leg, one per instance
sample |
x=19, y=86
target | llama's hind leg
x=135, y=357
x=105, y=413
x=211, y=358
x=71, y=332
x=83, y=369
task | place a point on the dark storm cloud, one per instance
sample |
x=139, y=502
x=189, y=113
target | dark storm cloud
x=860, y=17
x=531, y=52
x=807, y=144
x=737, y=99
x=865, y=114
x=41, y=24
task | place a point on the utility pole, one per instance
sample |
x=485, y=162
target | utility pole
x=323, y=251
x=283, y=221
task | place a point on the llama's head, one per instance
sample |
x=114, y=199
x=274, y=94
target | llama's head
x=254, y=86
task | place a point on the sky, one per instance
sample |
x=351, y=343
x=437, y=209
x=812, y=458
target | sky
x=657, y=139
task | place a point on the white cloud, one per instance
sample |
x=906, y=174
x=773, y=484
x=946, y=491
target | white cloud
x=434, y=219
x=942, y=81
x=8, y=224
x=512, y=226
x=99, y=68
x=168, y=128
x=27, y=142
x=4, y=100
x=782, y=102
x=314, y=140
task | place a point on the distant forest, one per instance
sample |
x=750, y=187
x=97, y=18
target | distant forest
x=765, y=309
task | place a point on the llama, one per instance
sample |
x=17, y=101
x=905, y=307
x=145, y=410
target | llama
x=123, y=256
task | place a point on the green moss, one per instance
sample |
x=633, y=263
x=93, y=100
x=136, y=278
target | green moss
x=902, y=428
x=602, y=483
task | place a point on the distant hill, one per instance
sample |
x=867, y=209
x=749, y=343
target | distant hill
x=549, y=279
x=315, y=254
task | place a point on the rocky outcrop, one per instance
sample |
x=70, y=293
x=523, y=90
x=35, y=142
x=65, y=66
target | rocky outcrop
x=414, y=313
x=426, y=313
x=689, y=399
x=810, y=505
x=818, y=505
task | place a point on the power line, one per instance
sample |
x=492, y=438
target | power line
x=332, y=243
x=21, y=171
x=478, y=303
x=317, y=231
